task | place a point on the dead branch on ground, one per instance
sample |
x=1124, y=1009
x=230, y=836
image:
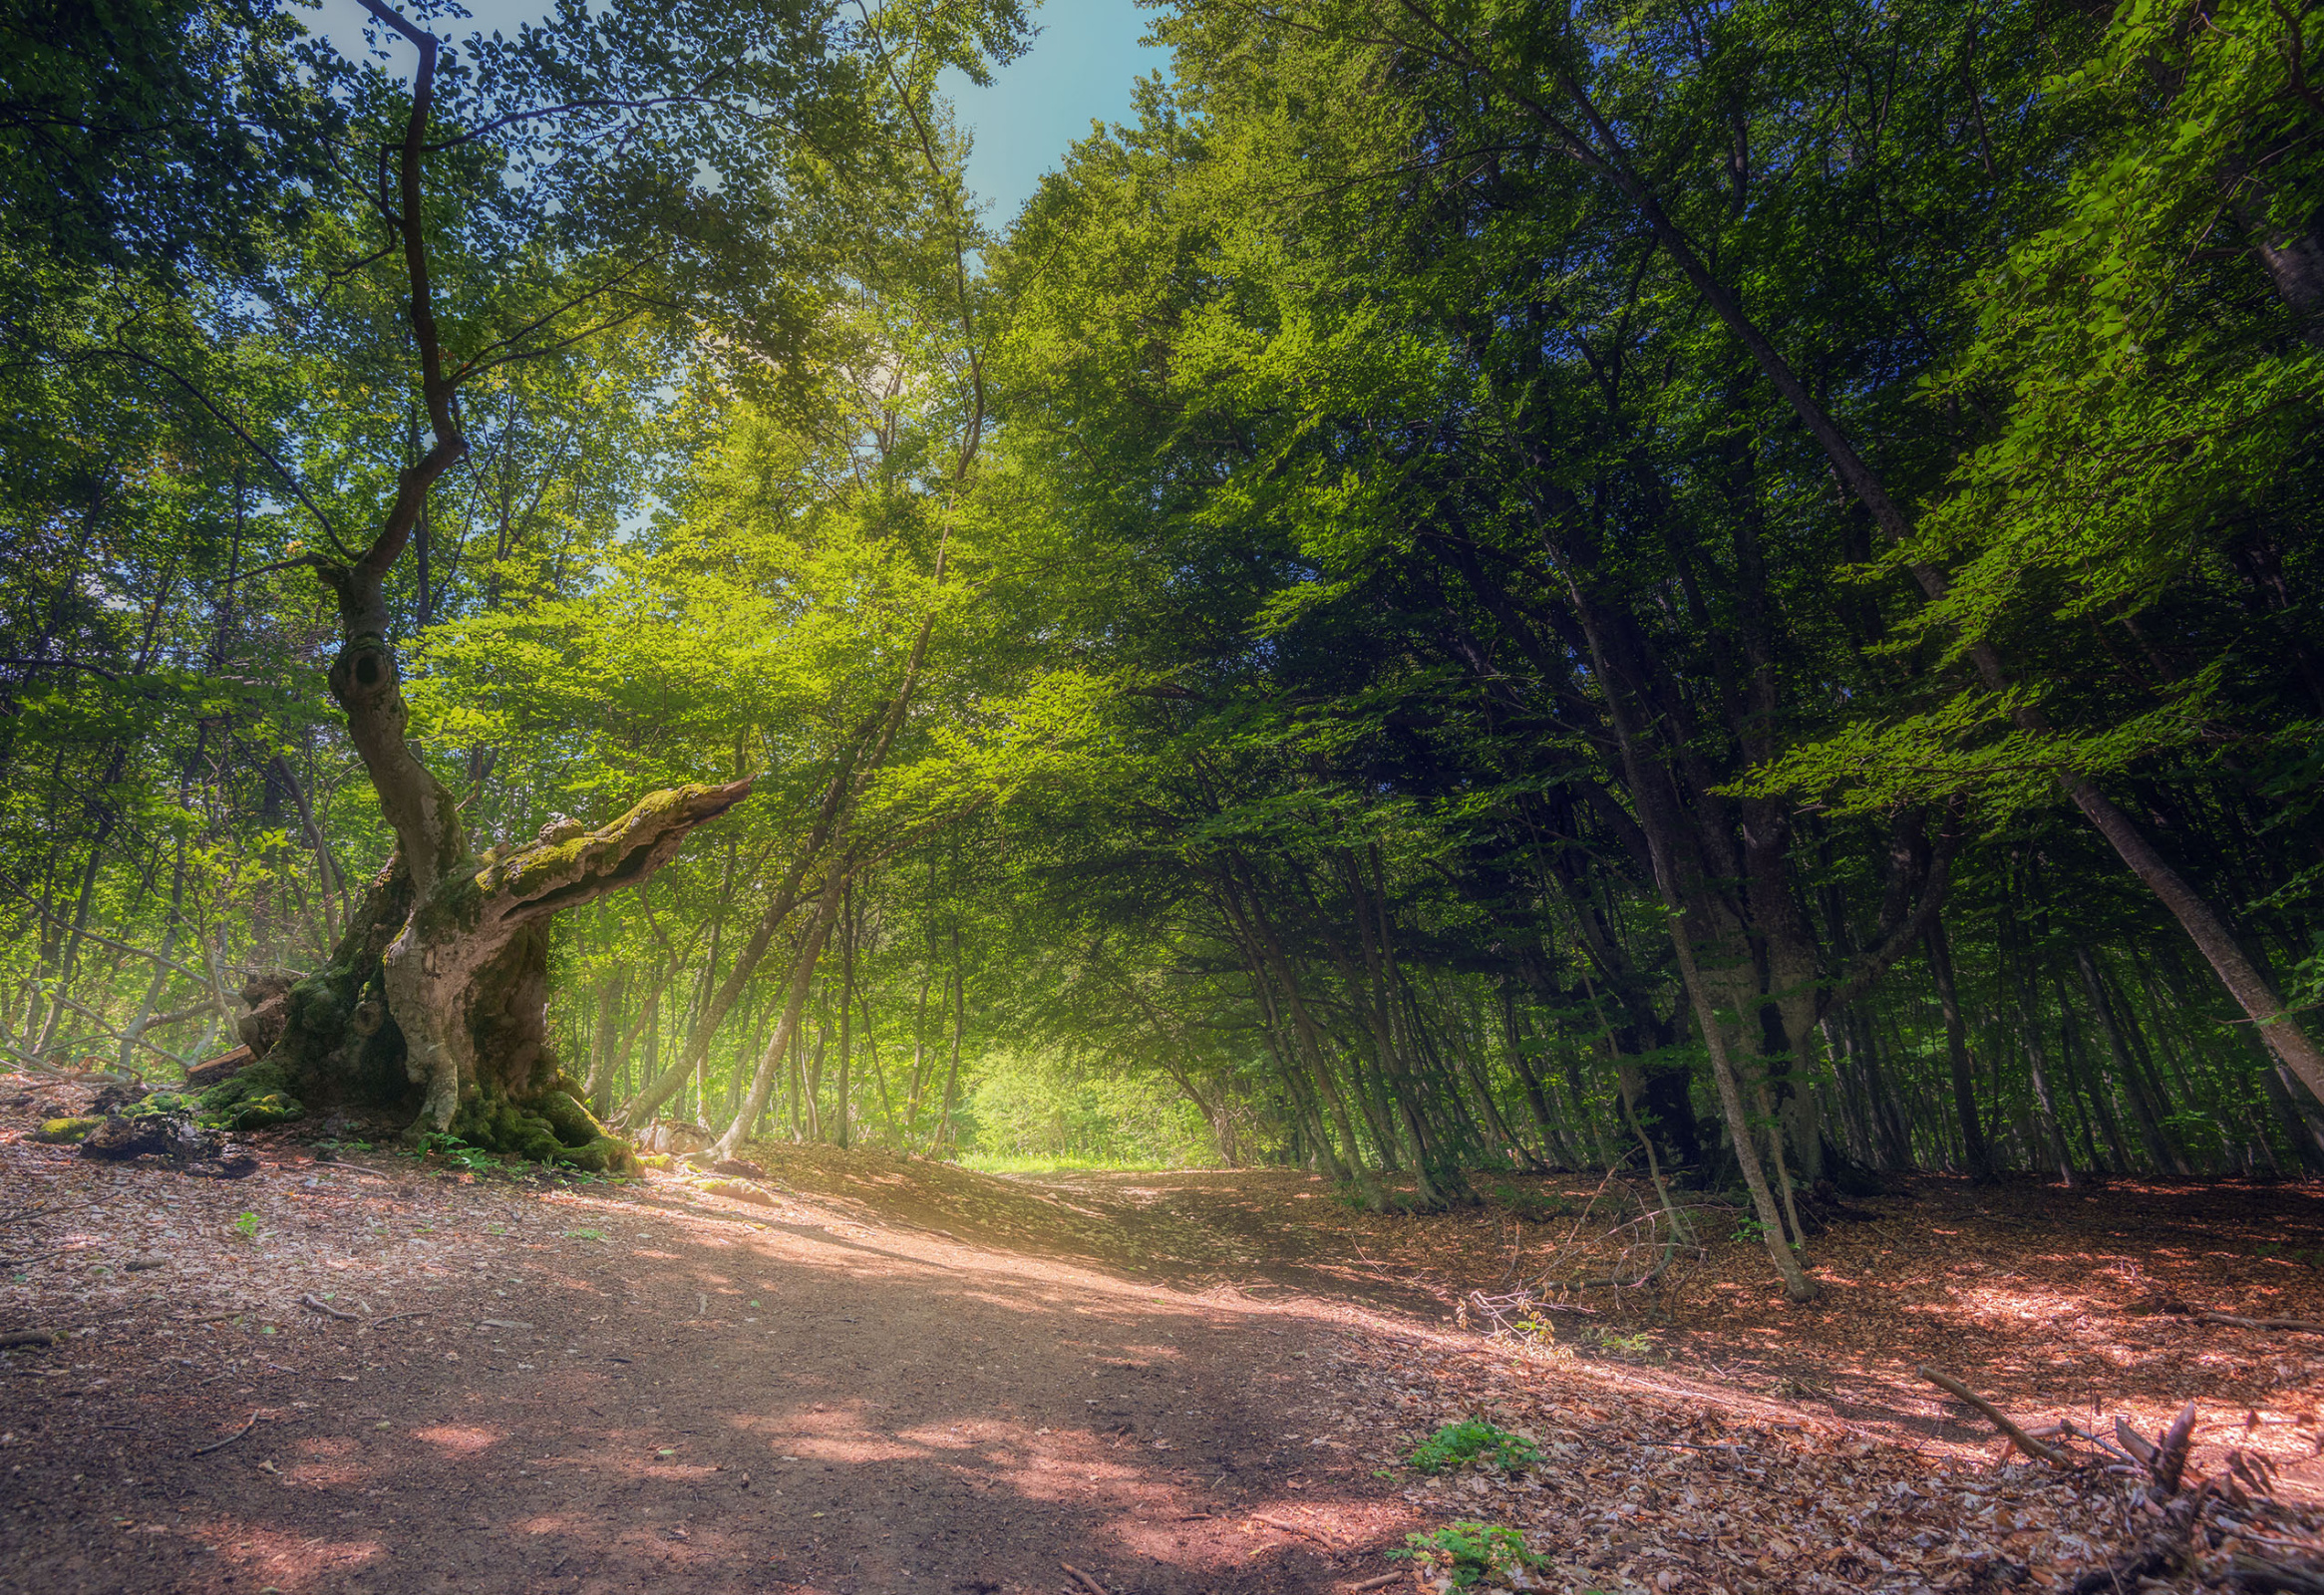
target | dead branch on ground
x=2000, y=1420
x=230, y=1440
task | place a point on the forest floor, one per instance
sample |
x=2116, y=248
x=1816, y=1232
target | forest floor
x=869, y=1374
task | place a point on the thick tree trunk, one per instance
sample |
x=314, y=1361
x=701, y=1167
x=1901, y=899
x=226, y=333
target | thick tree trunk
x=437, y=1006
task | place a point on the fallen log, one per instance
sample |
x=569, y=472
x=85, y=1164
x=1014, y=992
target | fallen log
x=2000, y=1420
x=225, y=1066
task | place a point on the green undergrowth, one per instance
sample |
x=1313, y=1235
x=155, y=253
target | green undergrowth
x=1457, y=1443
x=1468, y=1552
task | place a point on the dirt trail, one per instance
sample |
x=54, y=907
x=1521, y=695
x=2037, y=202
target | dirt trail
x=864, y=1375
x=645, y=1384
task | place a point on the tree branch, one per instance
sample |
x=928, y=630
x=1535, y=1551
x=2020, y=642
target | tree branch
x=231, y=425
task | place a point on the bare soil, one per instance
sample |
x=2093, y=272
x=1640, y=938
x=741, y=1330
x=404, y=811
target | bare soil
x=867, y=1374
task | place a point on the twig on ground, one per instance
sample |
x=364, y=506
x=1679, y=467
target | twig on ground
x=325, y=1307
x=2069, y=1427
x=1516, y=1251
x=1084, y=1579
x=1294, y=1528
x=32, y=1337
x=2001, y=1421
x=2236, y=1321
x=39, y=1257
x=230, y=1440
x=1382, y=1582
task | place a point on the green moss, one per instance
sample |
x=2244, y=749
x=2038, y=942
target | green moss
x=604, y=1156
x=159, y=1103
x=66, y=1131
x=554, y=1128
x=573, y=1123
x=267, y=1082
x=272, y=1108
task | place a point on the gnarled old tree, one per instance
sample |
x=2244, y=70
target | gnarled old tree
x=435, y=998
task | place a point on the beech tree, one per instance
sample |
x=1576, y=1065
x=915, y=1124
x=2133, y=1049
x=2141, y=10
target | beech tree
x=617, y=166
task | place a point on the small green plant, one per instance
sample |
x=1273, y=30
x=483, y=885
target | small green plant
x=585, y=1234
x=1469, y=1440
x=1620, y=1345
x=1749, y=1228
x=247, y=1227
x=457, y=1153
x=1468, y=1552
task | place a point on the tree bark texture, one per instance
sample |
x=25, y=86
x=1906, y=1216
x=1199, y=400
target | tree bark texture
x=437, y=1004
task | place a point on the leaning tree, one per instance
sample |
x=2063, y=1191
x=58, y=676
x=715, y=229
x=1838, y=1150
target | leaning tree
x=689, y=162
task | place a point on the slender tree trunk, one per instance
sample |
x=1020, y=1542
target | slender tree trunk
x=2150, y=1129
x=953, y=1066
x=2037, y=1063
x=1976, y=1153
x=609, y=1050
x=810, y=946
x=847, y=1002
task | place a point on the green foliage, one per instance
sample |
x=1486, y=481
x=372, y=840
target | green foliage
x=457, y=1151
x=247, y=1227
x=1469, y=1552
x=1027, y=1111
x=1456, y=1445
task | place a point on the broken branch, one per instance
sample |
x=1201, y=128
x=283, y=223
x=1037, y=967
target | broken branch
x=2000, y=1420
x=2169, y=1463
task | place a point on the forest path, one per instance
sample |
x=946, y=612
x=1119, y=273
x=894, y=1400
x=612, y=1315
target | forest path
x=863, y=1373
x=600, y=1386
